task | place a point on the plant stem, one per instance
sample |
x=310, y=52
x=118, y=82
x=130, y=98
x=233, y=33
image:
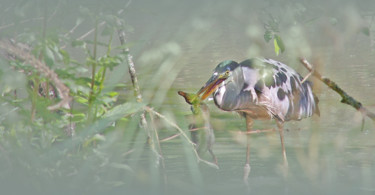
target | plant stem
x=132, y=72
x=199, y=159
x=105, y=68
x=91, y=115
x=34, y=96
x=159, y=153
x=93, y=70
x=42, y=68
x=36, y=80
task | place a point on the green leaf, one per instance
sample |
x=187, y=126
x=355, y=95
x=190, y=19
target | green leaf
x=278, y=44
x=267, y=36
x=365, y=31
x=65, y=56
x=333, y=21
x=85, y=12
x=78, y=117
x=77, y=43
x=107, y=31
x=79, y=20
x=277, y=48
x=81, y=100
x=123, y=110
x=49, y=58
x=112, y=93
x=97, y=137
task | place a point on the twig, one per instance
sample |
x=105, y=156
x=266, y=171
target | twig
x=41, y=67
x=22, y=22
x=31, y=19
x=170, y=137
x=2, y=117
x=54, y=12
x=127, y=152
x=346, y=99
x=307, y=76
x=150, y=110
x=199, y=159
x=159, y=153
x=132, y=72
x=129, y=58
x=258, y=131
x=178, y=134
x=89, y=32
x=72, y=30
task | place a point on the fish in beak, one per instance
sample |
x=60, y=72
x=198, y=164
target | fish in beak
x=212, y=84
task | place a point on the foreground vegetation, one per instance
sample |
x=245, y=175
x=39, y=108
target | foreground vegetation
x=72, y=114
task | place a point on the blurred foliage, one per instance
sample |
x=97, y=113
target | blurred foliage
x=281, y=16
x=97, y=144
x=272, y=30
x=45, y=144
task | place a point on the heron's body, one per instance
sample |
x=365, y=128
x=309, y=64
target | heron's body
x=265, y=88
x=261, y=89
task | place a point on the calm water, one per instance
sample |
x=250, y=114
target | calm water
x=176, y=45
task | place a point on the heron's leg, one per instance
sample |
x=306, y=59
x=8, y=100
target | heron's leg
x=249, y=126
x=280, y=126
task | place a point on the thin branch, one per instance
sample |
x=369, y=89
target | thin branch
x=132, y=72
x=54, y=12
x=32, y=19
x=127, y=152
x=306, y=77
x=346, y=99
x=89, y=32
x=93, y=29
x=21, y=22
x=129, y=58
x=178, y=134
x=63, y=90
x=199, y=159
x=72, y=30
x=150, y=110
x=158, y=152
x=257, y=131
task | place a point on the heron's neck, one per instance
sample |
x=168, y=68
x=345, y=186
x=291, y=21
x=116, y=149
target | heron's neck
x=218, y=95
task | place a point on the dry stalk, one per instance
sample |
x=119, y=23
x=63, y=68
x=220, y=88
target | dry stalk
x=256, y=131
x=63, y=91
x=178, y=134
x=132, y=72
x=346, y=98
x=122, y=36
x=199, y=159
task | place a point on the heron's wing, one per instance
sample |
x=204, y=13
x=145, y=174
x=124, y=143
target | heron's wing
x=289, y=98
x=278, y=88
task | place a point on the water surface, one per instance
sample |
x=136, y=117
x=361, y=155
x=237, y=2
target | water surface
x=177, y=44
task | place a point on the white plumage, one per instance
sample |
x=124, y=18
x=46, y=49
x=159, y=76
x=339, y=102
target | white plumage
x=263, y=88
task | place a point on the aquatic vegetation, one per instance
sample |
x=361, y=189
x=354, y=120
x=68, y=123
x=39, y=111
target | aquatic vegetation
x=88, y=98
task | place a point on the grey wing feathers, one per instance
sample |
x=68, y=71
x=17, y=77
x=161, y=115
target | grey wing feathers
x=295, y=100
x=278, y=88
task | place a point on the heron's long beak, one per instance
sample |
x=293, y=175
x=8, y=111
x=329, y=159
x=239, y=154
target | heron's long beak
x=211, y=85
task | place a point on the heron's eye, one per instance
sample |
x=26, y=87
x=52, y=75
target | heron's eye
x=226, y=73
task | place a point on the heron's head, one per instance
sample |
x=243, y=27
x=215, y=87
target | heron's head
x=221, y=73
